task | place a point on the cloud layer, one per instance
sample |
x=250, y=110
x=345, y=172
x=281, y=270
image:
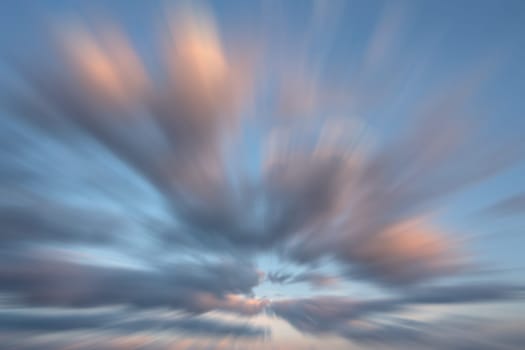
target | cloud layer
x=145, y=191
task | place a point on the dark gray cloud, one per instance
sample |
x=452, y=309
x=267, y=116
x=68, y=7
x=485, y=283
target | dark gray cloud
x=35, y=320
x=466, y=293
x=43, y=221
x=49, y=281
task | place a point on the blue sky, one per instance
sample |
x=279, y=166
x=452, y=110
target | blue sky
x=266, y=175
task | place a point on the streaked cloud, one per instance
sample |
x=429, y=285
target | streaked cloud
x=195, y=192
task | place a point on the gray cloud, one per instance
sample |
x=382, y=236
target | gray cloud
x=324, y=314
x=45, y=280
x=465, y=293
x=452, y=332
x=46, y=222
x=121, y=321
x=446, y=333
x=513, y=205
x=315, y=279
x=373, y=208
x=328, y=314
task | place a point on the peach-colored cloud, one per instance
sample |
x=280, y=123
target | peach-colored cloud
x=231, y=303
x=405, y=250
x=108, y=67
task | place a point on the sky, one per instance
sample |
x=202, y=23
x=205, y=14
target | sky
x=262, y=175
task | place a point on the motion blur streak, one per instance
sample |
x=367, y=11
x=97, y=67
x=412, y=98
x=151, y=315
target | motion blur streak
x=273, y=175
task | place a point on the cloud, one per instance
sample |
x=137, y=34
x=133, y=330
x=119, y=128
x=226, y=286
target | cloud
x=372, y=204
x=230, y=184
x=172, y=132
x=324, y=314
x=373, y=207
x=198, y=288
x=41, y=220
x=369, y=228
x=513, y=205
x=330, y=314
x=400, y=333
x=452, y=332
x=446, y=333
x=316, y=279
x=465, y=293
x=120, y=321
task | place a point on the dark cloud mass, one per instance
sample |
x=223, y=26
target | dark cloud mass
x=117, y=320
x=48, y=281
x=185, y=183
